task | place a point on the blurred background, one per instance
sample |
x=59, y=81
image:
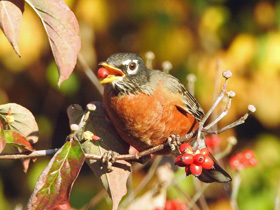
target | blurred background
x=193, y=36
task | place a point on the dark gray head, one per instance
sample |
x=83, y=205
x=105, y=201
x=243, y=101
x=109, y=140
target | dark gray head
x=127, y=72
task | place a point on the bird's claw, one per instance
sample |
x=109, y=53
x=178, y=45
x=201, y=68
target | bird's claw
x=109, y=158
x=174, y=142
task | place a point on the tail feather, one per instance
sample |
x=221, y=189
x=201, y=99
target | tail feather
x=216, y=174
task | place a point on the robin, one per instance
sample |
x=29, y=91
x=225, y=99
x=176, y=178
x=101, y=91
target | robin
x=148, y=106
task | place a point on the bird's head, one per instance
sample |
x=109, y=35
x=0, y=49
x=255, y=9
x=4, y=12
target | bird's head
x=125, y=71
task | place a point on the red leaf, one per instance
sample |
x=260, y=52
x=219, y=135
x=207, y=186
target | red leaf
x=115, y=181
x=17, y=140
x=64, y=206
x=62, y=29
x=54, y=185
x=22, y=144
x=10, y=20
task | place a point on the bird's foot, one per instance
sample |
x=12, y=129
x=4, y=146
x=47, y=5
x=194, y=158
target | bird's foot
x=174, y=143
x=109, y=158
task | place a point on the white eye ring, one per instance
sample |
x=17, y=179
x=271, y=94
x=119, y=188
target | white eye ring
x=132, y=67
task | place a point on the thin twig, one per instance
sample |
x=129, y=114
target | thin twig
x=197, y=196
x=202, y=199
x=277, y=198
x=91, y=76
x=236, y=181
x=231, y=142
x=144, y=182
x=95, y=200
x=222, y=115
x=35, y=154
x=187, y=197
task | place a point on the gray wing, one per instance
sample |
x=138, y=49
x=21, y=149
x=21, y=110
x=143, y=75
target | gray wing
x=192, y=105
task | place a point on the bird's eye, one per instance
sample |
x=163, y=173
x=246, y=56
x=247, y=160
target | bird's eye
x=132, y=66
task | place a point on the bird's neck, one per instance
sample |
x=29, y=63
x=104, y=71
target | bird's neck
x=123, y=88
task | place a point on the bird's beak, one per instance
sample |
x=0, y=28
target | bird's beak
x=114, y=73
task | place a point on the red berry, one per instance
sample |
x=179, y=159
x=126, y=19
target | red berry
x=187, y=159
x=196, y=170
x=212, y=141
x=95, y=138
x=187, y=170
x=253, y=161
x=102, y=73
x=168, y=205
x=199, y=159
x=186, y=148
x=179, y=162
x=208, y=163
x=178, y=205
x=248, y=154
x=235, y=163
x=204, y=151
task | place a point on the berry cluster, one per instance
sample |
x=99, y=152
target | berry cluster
x=194, y=162
x=174, y=204
x=243, y=160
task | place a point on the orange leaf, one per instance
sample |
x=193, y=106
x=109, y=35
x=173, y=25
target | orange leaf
x=10, y=20
x=62, y=29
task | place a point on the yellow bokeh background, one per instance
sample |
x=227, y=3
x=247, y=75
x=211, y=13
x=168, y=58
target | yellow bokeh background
x=193, y=36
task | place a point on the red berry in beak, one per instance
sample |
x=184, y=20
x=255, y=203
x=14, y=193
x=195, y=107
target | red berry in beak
x=102, y=73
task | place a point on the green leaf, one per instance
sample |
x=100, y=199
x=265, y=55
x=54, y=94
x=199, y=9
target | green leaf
x=24, y=123
x=54, y=185
x=115, y=181
x=62, y=29
x=2, y=140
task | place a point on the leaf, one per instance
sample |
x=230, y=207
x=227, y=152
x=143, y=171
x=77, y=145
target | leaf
x=21, y=143
x=115, y=181
x=2, y=140
x=10, y=20
x=54, y=185
x=17, y=140
x=156, y=196
x=24, y=124
x=62, y=29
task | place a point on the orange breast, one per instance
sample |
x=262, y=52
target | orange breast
x=144, y=121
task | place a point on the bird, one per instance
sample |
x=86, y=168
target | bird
x=148, y=106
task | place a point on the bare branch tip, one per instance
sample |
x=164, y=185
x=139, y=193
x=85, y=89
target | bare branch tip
x=232, y=140
x=251, y=108
x=91, y=107
x=74, y=127
x=230, y=94
x=191, y=77
x=227, y=74
x=166, y=66
x=150, y=55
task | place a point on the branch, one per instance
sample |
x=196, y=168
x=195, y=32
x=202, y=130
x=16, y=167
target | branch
x=89, y=73
x=35, y=154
